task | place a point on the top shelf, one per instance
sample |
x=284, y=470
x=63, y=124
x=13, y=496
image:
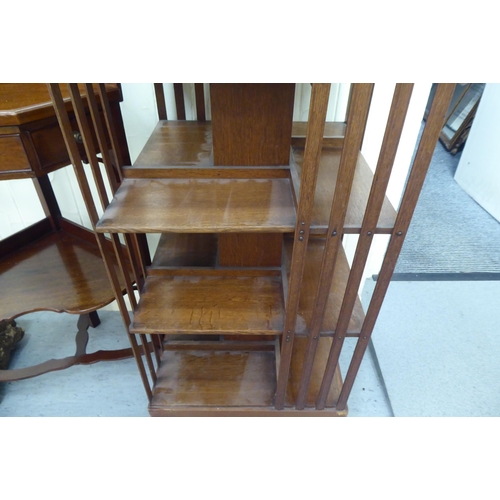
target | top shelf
x=200, y=206
x=183, y=150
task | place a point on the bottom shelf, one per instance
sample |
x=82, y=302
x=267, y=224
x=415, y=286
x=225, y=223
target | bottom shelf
x=234, y=382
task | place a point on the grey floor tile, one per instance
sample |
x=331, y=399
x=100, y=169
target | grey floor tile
x=438, y=346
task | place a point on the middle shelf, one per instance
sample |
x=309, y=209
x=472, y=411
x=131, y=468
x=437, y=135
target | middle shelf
x=221, y=300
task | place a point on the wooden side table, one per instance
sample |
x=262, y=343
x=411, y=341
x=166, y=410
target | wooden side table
x=54, y=264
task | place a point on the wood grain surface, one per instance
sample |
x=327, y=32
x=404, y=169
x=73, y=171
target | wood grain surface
x=250, y=249
x=325, y=187
x=179, y=143
x=56, y=273
x=26, y=102
x=310, y=279
x=210, y=305
x=200, y=205
x=252, y=123
x=186, y=249
x=221, y=378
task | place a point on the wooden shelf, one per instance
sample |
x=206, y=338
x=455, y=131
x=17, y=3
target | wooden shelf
x=189, y=143
x=311, y=276
x=325, y=187
x=198, y=304
x=234, y=381
x=58, y=272
x=203, y=378
x=180, y=143
x=200, y=205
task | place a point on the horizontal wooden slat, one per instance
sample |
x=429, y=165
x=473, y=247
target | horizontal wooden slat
x=325, y=187
x=210, y=305
x=200, y=205
x=175, y=172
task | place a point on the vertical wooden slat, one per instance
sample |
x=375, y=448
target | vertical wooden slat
x=356, y=120
x=394, y=128
x=133, y=250
x=200, y=102
x=160, y=101
x=74, y=154
x=314, y=140
x=147, y=355
x=140, y=245
x=117, y=246
x=179, y=101
x=430, y=136
x=88, y=143
x=136, y=259
x=101, y=136
x=108, y=117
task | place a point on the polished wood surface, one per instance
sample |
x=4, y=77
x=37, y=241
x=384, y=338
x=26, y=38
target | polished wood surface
x=310, y=280
x=210, y=305
x=26, y=102
x=296, y=370
x=235, y=381
x=389, y=147
x=356, y=120
x=186, y=249
x=200, y=205
x=252, y=123
x=312, y=153
x=56, y=273
x=178, y=143
x=250, y=249
x=13, y=156
x=325, y=187
x=203, y=378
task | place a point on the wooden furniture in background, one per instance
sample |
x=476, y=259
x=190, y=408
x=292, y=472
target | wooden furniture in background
x=460, y=115
x=233, y=332
x=55, y=264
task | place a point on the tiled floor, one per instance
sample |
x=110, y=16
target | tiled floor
x=438, y=347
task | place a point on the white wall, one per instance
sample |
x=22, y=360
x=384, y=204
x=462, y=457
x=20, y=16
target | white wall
x=478, y=172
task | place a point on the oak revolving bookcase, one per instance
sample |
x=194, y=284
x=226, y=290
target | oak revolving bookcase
x=249, y=297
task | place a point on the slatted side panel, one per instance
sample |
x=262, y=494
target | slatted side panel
x=180, y=101
x=420, y=166
x=87, y=127
x=356, y=123
x=383, y=170
x=314, y=140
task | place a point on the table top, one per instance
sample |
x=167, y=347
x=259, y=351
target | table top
x=26, y=102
